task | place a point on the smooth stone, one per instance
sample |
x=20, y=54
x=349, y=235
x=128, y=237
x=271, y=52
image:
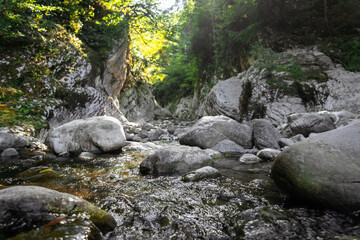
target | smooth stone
x=8, y=140
x=202, y=173
x=87, y=156
x=265, y=134
x=10, y=152
x=268, y=154
x=96, y=135
x=323, y=170
x=229, y=147
x=178, y=159
x=27, y=207
x=210, y=130
x=249, y=158
x=312, y=123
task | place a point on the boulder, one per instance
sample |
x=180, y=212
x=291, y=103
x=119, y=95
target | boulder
x=252, y=94
x=202, y=137
x=249, y=158
x=268, y=154
x=27, y=207
x=10, y=152
x=178, y=159
x=323, y=169
x=96, y=134
x=210, y=130
x=8, y=140
x=224, y=98
x=312, y=123
x=228, y=147
x=201, y=173
x=265, y=134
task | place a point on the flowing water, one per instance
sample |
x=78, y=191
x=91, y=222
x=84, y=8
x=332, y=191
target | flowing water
x=242, y=204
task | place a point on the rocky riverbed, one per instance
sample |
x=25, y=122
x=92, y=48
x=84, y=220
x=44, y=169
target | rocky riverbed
x=240, y=201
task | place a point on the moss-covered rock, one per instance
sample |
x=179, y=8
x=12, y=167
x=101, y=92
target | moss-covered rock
x=26, y=207
x=323, y=169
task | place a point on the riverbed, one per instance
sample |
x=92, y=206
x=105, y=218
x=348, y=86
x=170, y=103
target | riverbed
x=244, y=203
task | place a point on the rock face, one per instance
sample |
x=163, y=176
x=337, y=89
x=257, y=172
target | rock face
x=312, y=123
x=178, y=159
x=265, y=134
x=323, y=169
x=277, y=93
x=8, y=140
x=26, y=207
x=210, y=130
x=91, y=90
x=97, y=134
x=137, y=102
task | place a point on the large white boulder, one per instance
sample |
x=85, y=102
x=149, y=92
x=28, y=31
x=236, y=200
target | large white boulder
x=96, y=134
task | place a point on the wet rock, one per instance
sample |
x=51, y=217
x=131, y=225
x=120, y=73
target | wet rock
x=284, y=142
x=10, y=152
x=265, y=134
x=28, y=162
x=202, y=173
x=228, y=147
x=8, y=140
x=39, y=174
x=219, y=128
x=323, y=169
x=50, y=156
x=87, y=156
x=268, y=154
x=249, y=158
x=178, y=159
x=97, y=134
x=64, y=229
x=27, y=207
x=312, y=123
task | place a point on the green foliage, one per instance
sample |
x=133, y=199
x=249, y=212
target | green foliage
x=345, y=49
x=181, y=76
x=211, y=38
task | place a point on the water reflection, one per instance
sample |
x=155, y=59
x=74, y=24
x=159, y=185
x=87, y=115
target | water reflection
x=242, y=204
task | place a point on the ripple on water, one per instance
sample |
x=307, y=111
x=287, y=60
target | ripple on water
x=243, y=204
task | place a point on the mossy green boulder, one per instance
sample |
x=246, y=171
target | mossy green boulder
x=323, y=170
x=26, y=207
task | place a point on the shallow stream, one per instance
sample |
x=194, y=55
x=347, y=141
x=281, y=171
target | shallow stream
x=242, y=204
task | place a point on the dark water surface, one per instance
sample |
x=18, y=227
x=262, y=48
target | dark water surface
x=242, y=204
